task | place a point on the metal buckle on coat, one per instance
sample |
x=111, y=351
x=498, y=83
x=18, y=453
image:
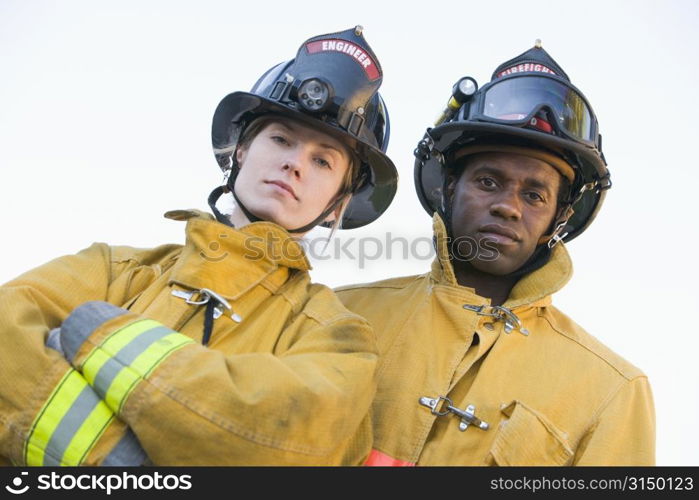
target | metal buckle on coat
x=203, y=296
x=468, y=416
x=500, y=313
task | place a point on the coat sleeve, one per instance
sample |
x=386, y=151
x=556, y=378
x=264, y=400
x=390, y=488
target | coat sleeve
x=189, y=404
x=48, y=413
x=624, y=433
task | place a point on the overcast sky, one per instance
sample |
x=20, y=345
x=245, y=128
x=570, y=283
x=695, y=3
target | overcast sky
x=105, y=115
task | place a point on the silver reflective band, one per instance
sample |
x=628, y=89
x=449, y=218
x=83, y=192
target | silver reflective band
x=69, y=426
x=125, y=356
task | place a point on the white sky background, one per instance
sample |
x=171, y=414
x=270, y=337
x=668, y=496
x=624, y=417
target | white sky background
x=106, y=107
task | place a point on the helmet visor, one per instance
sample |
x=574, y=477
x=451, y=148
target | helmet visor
x=516, y=100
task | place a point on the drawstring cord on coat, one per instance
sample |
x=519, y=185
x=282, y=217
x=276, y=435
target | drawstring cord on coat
x=208, y=322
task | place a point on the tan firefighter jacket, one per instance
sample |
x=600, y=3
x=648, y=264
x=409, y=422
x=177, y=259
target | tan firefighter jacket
x=525, y=384
x=287, y=377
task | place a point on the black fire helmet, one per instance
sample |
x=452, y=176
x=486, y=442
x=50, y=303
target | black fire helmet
x=528, y=103
x=332, y=85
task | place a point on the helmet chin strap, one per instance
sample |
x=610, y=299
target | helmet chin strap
x=554, y=236
x=213, y=198
x=544, y=247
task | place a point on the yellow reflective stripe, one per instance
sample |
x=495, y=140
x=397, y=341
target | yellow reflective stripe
x=68, y=425
x=49, y=417
x=128, y=355
x=142, y=366
x=121, y=387
x=151, y=357
x=34, y=454
x=90, y=431
x=104, y=353
x=117, y=340
x=92, y=365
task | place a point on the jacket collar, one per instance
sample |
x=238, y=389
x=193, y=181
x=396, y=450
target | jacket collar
x=231, y=261
x=534, y=288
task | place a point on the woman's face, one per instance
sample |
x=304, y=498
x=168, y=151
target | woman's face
x=290, y=172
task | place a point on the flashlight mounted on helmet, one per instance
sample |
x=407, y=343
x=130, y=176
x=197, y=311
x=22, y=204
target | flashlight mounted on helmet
x=315, y=95
x=462, y=92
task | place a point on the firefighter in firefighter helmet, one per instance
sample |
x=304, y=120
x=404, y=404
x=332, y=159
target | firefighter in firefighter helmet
x=219, y=351
x=498, y=375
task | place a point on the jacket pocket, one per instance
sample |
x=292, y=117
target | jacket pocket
x=528, y=438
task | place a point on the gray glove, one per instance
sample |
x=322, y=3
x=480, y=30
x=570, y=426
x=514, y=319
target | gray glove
x=54, y=341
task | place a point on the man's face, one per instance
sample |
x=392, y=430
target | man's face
x=505, y=202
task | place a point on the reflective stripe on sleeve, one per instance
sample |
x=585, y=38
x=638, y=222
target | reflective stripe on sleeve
x=68, y=425
x=128, y=356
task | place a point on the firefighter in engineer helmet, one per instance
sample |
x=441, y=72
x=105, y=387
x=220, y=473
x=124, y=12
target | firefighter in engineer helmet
x=221, y=350
x=477, y=366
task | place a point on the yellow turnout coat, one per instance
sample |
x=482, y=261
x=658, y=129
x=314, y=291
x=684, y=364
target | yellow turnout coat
x=550, y=393
x=287, y=378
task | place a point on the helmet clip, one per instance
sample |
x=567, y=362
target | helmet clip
x=355, y=124
x=423, y=151
x=557, y=237
x=605, y=183
x=586, y=187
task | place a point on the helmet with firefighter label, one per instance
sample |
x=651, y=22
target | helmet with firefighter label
x=528, y=105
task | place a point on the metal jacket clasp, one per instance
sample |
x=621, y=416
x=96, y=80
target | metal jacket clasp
x=500, y=313
x=442, y=406
x=203, y=296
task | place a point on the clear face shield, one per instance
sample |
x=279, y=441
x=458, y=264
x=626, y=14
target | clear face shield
x=527, y=100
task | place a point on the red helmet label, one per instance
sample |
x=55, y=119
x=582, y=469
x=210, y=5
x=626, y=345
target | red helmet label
x=525, y=67
x=357, y=53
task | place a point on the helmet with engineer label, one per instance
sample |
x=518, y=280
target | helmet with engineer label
x=331, y=85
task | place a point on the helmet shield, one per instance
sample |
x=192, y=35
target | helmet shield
x=516, y=100
x=332, y=85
